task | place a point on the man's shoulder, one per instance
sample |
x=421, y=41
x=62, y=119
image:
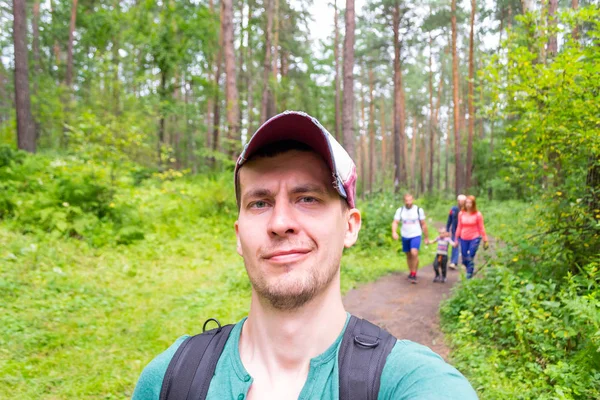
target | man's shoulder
x=150, y=381
x=415, y=371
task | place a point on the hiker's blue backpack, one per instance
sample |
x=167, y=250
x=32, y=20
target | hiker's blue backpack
x=362, y=356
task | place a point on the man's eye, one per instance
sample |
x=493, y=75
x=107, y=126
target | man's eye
x=308, y=199
x=259, y=204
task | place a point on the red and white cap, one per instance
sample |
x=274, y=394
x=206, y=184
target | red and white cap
x=301, y=127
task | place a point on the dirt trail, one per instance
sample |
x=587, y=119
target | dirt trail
x=406, y=310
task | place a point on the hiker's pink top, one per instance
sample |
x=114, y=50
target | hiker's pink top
x=470, y=226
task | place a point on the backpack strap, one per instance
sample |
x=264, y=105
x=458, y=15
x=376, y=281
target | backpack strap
x=192, y=367
x=361, y=359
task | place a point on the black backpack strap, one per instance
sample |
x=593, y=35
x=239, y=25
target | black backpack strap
x=192, y=367
x=362, y=356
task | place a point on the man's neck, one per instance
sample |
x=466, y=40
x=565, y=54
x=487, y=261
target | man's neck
x=277, y=341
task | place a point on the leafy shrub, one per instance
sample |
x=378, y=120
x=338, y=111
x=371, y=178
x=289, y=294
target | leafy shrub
x=517, y=337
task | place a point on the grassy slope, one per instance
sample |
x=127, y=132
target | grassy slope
x=81, y=322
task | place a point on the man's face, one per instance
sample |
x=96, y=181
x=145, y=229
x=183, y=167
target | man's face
x=408, y=201
x=461, y=203
x=292, y=227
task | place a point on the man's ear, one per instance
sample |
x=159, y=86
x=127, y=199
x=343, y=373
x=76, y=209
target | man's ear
x=353, y=225
x=237, y=238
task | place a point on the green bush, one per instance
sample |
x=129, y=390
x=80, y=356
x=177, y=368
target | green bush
x=517, y=337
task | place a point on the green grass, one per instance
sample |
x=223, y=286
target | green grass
x=80, y=321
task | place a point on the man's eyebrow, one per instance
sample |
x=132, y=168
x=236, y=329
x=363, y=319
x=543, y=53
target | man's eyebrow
x=258, y=192
x=308, y=188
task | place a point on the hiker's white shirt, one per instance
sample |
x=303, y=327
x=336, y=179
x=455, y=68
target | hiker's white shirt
x=411, y=221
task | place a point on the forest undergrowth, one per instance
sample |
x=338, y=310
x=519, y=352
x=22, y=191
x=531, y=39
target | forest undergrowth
x=101, y=270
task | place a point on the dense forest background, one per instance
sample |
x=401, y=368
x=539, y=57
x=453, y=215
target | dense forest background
x=120, y=122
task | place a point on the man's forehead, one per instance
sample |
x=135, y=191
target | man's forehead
x=301, y=168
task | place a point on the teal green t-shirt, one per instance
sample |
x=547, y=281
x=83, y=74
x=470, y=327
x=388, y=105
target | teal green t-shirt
x=411, y=371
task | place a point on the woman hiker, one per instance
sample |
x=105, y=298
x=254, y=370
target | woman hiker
x=469, y=233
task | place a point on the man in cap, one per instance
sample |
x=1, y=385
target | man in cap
x=295, y=188
x=452, y=224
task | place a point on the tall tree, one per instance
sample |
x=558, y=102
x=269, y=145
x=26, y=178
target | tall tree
x=231, y=92
x=431, y=119
x=25, y=126
x=275, y=57
x=336, y=56
x=422, y=157
x=552, y=41
x=371, y=129
x=69, y=74
x=455, y=89
x=383, y=141
x=348, y=72
x=575, y=31
x=469, y=167
x=399, y=117
x=413, y=155
x=216, y=97
x=264, y=107
x=35, y=30
x=249, y=75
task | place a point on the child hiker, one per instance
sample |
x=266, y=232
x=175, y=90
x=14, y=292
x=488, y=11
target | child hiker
x=441, y=257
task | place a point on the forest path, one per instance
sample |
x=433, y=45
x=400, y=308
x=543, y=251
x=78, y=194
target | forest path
x=411, y=311
x=406, y=310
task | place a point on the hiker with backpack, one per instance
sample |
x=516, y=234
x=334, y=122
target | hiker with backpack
x=413, y=226
x=470, y=232
x=295, y=188
x=451, y=226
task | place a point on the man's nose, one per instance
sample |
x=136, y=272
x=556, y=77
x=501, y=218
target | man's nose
x=283, y=220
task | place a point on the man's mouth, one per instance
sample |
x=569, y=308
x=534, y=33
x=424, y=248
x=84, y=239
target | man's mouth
x=287, y=256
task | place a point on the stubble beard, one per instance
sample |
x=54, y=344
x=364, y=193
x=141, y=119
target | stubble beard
x=290, y=293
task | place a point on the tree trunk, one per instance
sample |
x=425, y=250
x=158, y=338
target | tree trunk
x=431, y=121
x=383, y=141
x=115, y=63
x=192, y=159
x=69, y=74
x=363, y=153
x=249, y=77
x=455, y=89
x=436, y=122
x=35, y=46
x=575, y=31
x=210, y=99
x=264, y=112
x=231, y=91
x=552, y=41
x=3, y=95
x=25, y=126
x=471, y=99
x=447, y=159
x=422, y=151
x=275, y=58
x=217, y=90
x=399, y=134
x=348, y=73
x=161, y=124
x=55, y=48
x=336, y=56
x=413, y=155
x=490, y=191
x=241, y=66
x=371, y=130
